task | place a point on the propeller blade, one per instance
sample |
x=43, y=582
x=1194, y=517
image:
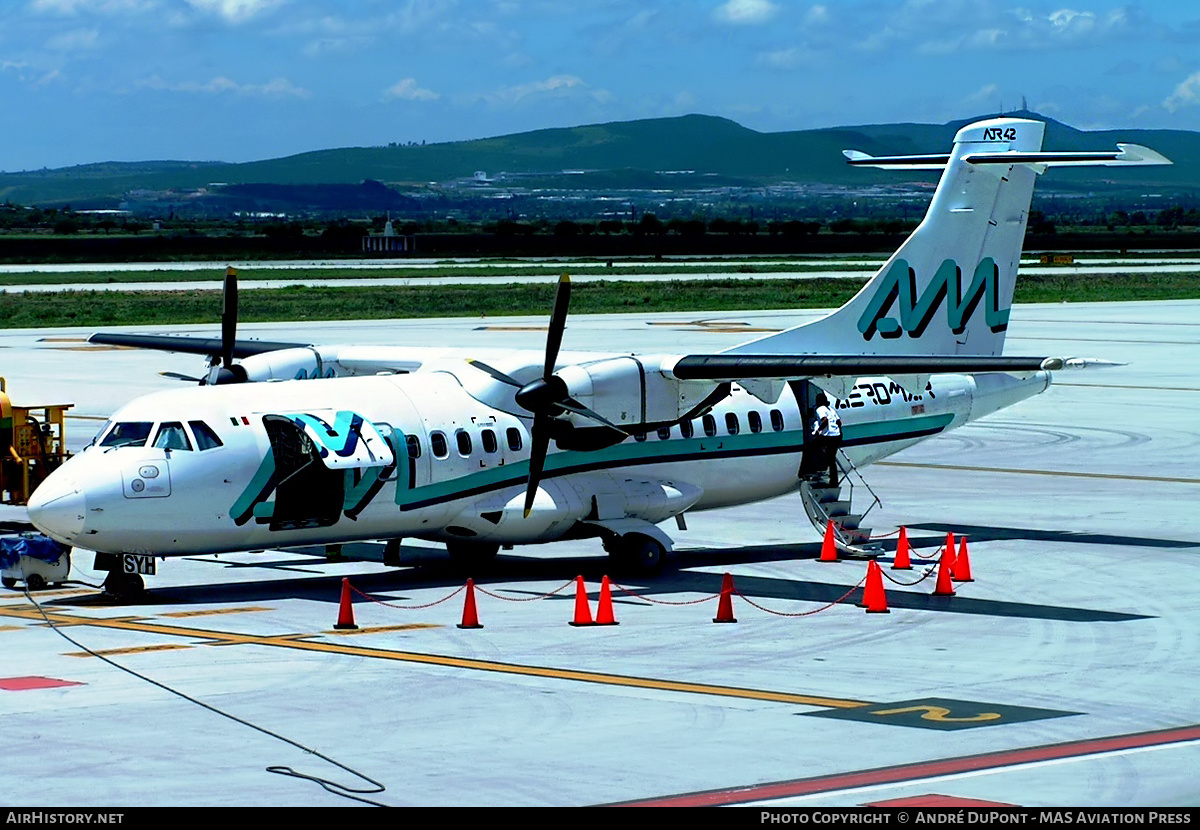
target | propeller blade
x=178, y=376
x=539, y=446
x=229, y=314
x=572, y=405
x=496, y=373
x=542, y=396
x=558, y=324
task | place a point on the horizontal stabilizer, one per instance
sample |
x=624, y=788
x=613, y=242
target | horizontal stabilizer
x=1124, y=155
x=189, y=345
x=732, y=367
x=931, y=161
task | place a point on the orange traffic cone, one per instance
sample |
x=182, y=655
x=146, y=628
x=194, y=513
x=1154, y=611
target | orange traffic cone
x=945, y=564
x=583, y=611
x=902, y=561
x=345, y=608
x=604, y=610
x=470, y=617
x=828, y=546
x=950, y=548
x=961, y=571
x=725, y=606
x=874, y=597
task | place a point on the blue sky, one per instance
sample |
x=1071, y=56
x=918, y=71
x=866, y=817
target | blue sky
x=235, y=80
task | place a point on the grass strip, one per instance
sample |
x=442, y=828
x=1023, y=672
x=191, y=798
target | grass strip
x=112, y=308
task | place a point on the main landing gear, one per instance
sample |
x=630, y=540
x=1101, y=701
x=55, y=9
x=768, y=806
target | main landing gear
x=636, y=554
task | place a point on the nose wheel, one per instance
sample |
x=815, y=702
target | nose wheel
x=123, y=586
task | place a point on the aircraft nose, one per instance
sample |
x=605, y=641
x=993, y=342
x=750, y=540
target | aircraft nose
x=58, y=508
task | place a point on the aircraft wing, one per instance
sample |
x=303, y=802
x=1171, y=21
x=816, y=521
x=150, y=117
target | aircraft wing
x=190, y=345
x=727, y=367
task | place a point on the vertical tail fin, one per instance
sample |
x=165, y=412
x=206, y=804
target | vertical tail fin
x=949, y=287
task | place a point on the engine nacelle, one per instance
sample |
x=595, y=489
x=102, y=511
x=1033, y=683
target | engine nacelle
x=284, y=364
x=629, y=391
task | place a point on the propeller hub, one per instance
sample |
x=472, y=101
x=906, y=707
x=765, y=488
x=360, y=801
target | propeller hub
x=543, y=396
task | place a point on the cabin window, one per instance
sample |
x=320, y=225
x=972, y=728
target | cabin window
x=172, y=437
x=776, y=420
x=731, y=423
x=463, y=438
x=710, y=425
x=206, y=439
x=513, y=436
x=488, y=436
x=685, y=429
x=755, y=421
x=437, y=443
x=664, y=433
x=413, y=443
x=639, y=436
x=128, y=434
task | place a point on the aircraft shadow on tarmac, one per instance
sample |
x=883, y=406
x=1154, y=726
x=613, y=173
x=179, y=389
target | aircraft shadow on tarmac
x=425, y=568
x=985, y=533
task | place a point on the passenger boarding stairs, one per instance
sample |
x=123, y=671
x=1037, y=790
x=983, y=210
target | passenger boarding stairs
x=823, y=504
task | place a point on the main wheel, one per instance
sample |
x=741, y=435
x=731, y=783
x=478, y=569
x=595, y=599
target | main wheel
x=637, y=554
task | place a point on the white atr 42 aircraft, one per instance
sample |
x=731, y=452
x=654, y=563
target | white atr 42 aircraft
x=354, y=443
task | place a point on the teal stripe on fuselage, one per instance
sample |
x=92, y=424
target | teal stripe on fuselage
x=651, y=451
x=876, y=432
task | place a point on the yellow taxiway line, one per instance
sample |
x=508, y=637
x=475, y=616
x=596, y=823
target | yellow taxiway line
x=304, y=642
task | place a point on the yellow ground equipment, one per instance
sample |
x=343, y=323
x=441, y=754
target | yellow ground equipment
x=32, y=445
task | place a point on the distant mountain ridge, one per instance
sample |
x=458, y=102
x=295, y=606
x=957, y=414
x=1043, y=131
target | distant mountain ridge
x=704, y=145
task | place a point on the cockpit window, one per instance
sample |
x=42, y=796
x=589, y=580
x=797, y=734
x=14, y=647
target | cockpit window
x=172, y=437
x=206, y=439
x=103, y=430
x=128, y=434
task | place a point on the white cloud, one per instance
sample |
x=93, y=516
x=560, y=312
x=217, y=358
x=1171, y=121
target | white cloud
x=556, y=84
x=99, y=6
x=277, y=87
x=817, y=16
x=235, y=11
x=1187, y=94
x=407, y=90
x=28, y=74
x=75, y=40
x=787, y=58
x=745, y=12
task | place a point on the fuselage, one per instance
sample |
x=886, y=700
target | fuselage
x=250, y=466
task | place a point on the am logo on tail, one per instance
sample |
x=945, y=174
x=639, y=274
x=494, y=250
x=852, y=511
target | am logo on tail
x=482, y=451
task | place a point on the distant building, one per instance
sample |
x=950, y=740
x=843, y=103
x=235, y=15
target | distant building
x=389, y=242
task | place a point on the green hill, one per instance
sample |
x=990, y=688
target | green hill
x=630, y=152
